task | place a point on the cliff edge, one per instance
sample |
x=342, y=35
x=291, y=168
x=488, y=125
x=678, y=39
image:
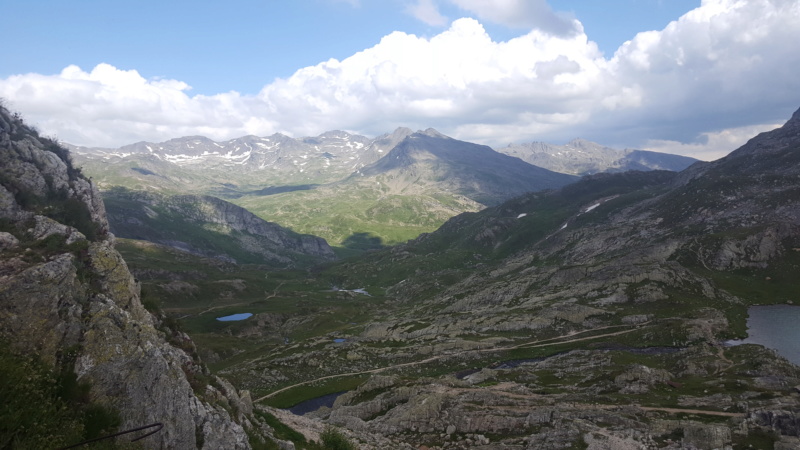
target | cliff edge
x=69, y=303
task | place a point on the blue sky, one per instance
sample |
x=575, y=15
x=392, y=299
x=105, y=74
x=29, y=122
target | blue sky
x=241, y=45
x=104, y=73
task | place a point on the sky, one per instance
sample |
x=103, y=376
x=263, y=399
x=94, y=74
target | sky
x=689, y=77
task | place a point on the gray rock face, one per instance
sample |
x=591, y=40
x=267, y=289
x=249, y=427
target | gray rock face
x=7, y=241
x=75, y=296
x=38, y=173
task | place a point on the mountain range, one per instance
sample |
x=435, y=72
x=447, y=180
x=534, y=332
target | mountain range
x=279, y=160
x=355, y=192
x=198, y=164
x=582, y=157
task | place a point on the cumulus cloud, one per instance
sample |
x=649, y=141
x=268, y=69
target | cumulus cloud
x=111, y=107
x=710, y=145
x=727, y=65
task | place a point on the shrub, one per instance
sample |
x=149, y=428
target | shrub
x=333, y=439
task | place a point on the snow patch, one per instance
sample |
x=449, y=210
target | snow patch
x=522, y=215
x=592, y=207
x=181, y=158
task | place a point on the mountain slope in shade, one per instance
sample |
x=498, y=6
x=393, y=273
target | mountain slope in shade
x=208, y=226
x=431, y=160
x=582, y=157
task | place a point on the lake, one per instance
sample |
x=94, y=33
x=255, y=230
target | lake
x=315, y=403
x=775, y=327
x=234, y=317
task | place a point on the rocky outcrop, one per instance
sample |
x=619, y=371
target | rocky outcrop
x=67, y=297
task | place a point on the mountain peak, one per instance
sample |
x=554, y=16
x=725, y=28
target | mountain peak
x=335, y=134
x=579, y=141
x=402, y=132
x=433, y=133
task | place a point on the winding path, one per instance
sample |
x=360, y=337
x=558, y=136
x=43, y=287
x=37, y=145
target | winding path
x=533, y=344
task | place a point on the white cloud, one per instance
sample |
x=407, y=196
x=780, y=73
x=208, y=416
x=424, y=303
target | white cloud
x=724, y=66
x=711, y=145
x=427, y=11
x=112, y=107
x=522, y=14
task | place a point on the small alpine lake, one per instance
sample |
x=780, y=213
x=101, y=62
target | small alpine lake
x=235, y=317
x=775, y=327
x=316, y=403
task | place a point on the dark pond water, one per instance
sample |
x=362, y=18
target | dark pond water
x=234, y=317
x=315, y=403
x=776, y=327
x=339, y=340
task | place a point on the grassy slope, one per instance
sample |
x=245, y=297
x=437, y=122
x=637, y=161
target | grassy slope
x=209, y=289
x=357, y=216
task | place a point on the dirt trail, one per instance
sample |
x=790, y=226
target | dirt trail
x=227, y=305
x=691, y=411
x=590, y=406
x=534, y=344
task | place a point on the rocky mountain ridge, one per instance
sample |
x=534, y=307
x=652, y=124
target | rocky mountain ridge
x=277, y=159
x=283, y=161
x=337, y=185
x=582, y=157
x=68, y=300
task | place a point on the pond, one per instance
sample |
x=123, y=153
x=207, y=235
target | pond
x=775, y=327
x=315, y=403
x=234, y=317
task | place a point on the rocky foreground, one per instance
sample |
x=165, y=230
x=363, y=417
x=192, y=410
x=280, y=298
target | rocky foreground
x=69, y=302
